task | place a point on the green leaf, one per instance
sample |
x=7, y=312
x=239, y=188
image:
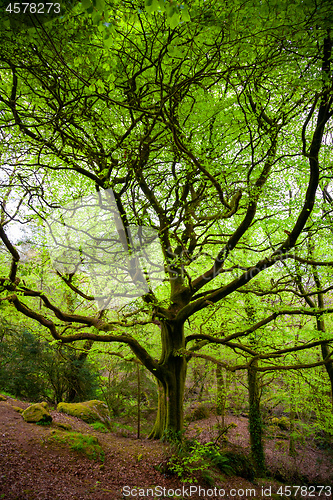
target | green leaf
x=174, y=20
x=108, y=41
x=185, y=14
x=171, y=10
x=86, y=4
x=152, y=6
x=97, y=18
x=100, y=5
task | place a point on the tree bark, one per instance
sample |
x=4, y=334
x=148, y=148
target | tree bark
x=139, y=399
x=255, y=422
x=172, y=373
x=73, y=379
x=221, y=393
x=329, y=368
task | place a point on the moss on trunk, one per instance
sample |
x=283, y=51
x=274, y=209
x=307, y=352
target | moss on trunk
x=170, y=414
x=255, y=422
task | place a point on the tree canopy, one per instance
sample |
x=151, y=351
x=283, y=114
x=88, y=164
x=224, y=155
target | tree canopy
x=212, y=126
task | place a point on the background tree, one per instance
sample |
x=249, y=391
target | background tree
x=34, y=369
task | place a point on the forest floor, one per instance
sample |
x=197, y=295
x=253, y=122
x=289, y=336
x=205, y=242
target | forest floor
x=35, y=467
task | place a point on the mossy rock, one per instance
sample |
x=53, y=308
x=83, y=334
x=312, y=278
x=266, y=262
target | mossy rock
x=37, y=413
x=283, y=423
x=89, y=411
x=3, y=398
x=199, y=413
x=18, y=409
x=63, y=426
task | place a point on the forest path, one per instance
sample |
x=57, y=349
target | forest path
x=34, y=468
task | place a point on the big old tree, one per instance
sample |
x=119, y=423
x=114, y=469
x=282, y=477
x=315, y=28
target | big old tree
x=200, y=129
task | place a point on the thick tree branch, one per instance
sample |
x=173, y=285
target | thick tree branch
x=215, y=340
x=137, y=349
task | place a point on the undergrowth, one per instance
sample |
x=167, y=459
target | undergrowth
x=190, y=459
x=45, y=423
x=83, y=443
x=99, y=426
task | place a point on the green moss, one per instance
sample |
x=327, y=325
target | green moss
x=65, y=427
x=86, y=444
x=199, y=413
x=241, y=464
x=283, y=423
x=18, y=409
x=99, y=426
x=37, y=413
x=89, y=411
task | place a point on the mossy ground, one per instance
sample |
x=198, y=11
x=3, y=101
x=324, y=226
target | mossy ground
x=86, y=444
x=48, y=469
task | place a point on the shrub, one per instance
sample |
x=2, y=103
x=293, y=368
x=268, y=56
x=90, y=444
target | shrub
x=241, y=464
x=37, y=370
x=19, y=367
x=120, y=389
x=191, y=458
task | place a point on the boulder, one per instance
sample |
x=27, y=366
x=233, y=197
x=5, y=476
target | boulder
x=89, y=411
x=283, y=422
x=37, y=413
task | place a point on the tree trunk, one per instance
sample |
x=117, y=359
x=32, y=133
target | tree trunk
x=73, y=380
x=329, y=368
x=255, y=423
x=73, y=384
x=139, y=399
x=221, y=393
x=172, y=374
